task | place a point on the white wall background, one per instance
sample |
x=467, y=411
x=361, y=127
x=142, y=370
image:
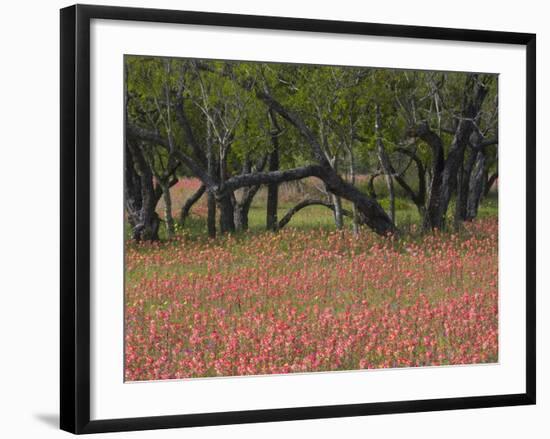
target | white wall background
x=29, y=206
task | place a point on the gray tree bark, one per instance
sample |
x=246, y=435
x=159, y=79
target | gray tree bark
x=338, y=216
x=227, y=219
x=273, y=165
x=445, y=171
x=384, y=162
x=242, y=208
x=370, y=212
x=211, y=215
x=168, y=218
x=190, y=202
x=147, y=221
x=476, y=186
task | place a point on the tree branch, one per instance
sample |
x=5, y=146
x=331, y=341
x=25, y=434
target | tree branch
x=190, y=202
x=295, y=120
x=154, y=137
x=305, y=203
x=253, y=179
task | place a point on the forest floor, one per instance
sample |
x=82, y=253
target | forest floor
x=309, y=298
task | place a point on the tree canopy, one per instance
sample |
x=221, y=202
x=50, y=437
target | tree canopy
x=237, y=126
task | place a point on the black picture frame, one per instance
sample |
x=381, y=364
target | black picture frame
x=75, y=217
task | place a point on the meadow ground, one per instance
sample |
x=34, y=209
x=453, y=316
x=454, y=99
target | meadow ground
x=309, y=298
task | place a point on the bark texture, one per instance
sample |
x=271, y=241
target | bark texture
x=190, y=202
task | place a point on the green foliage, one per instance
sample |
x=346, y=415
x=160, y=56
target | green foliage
x=220, y=102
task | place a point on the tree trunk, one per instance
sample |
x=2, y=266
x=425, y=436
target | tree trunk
x=273, y=165
x=431, y=220
x=132, y=189
x=240, y=218
x=489, y=184
x=463, y=187
x=211, y=171
x=476, y=187
x=370, y=212
x=338, y=218
x=211, y=216
x=190, y=202
x=355, y=223
x=384, y=162
x=272, y=193
x=474, y=95
x=227, y=219
x=419, y=197
x=370, y=185
x=147, y=224
x=168, y=218
x=444, y=172
x=243, y=207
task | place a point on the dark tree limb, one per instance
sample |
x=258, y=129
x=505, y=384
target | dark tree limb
x=370, y=212
x=144, y=134
x=475, y=186
x=258, y=178
x=490, y=182
x=385, y=163
x=370, y=186
x=486, y=143
x=306, y=203
x=190, y=202
x=272, y=204
x=181, y=116
x=474, y=94
x=423, y=132
x=297, y=122
x=146, y=222
x=419, y=198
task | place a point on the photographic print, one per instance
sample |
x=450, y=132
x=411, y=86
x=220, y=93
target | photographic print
x=286, y=218
x=292, y=219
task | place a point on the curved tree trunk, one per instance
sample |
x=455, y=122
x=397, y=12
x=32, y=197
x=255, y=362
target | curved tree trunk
x=306, y=203
x=370, y=212
x=431, y=218
x=370, y=185
x=474, y=95
x=489, y=184
x=419, y=197
x=190, y=202
x=445, y=171
x=147, y=223
x=242, y=207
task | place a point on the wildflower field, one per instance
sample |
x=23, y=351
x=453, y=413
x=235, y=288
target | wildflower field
x=309, y=299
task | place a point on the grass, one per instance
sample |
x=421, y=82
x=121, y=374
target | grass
x=310, y=298
x=310, y=217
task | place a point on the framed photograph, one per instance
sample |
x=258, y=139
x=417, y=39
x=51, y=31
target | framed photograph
x=268, y=219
